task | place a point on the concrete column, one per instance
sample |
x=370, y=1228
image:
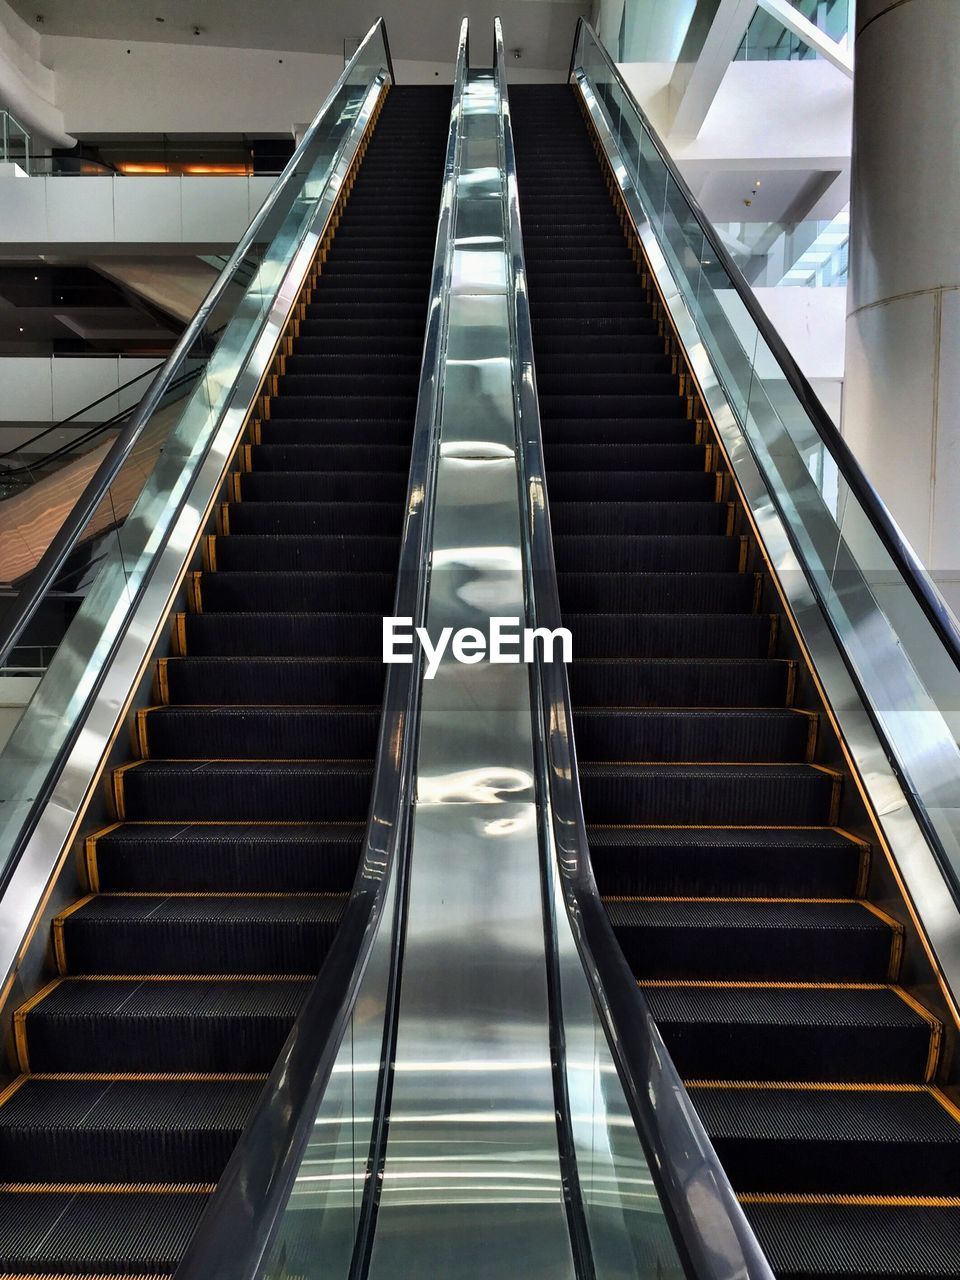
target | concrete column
x=902, y=384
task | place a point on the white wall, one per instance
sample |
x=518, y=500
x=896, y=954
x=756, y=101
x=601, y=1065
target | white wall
x=50, y=388
x=27, y=85
x=95, y=214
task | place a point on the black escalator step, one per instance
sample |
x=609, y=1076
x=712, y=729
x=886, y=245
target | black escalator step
x=272, y=681
x=381, y=262
x=121, y=1131
x=333, y=431
x=679, y=682
x=345, y=406
x=857, y=1239
x=373, y=366
x=258, y=732
x=632, y=486
x=311, y=486
x=196, y=933
x=386, y=382
x=793, y=1031
x=218, y=635
x=618, y=432
x=736, y=861
x=244, y=791
x=626, y=519
x=89, y=1232
x=349, y=344
x=303, y=592
x=855, y=1141
x=721, y=794
x=603, y=346
x=340, y=553
x=648, y=552
x=408, y=324
x=670, y=635
x=661, y=401
x=164, y=1024
x=692, y=734
x=327, y=307
x=599, y=457
x=657, y=592
x=645, y=375
x=380, y=518
x=397, y=287
x=752, y=940
x=330, y=457
x=206, y=857
x=590, y=326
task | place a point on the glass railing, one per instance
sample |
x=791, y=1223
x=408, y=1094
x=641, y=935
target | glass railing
x=768, y=40
x=14, y=142
x=810, y=254
x=897, y=637
x=141, y=498
x=635, y=1147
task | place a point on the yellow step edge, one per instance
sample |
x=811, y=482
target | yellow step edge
x=20, y=1034
x=59, y=940
x=186, y=977
x=116, y=788
x=194, y=591
x=178, y=640
x=209, y=552
x=111, y=1188
x=161, y=682
x=849, y=1201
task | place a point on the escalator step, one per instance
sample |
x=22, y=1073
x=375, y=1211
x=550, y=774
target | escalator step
x=732, y=861
x=860, y=1141
x=616, y=431
x=754, y=941
x=616, y=636
x=630, y=486
x=296, y=591
x=692, y=734
x=244, y=791
x=678, y=682
x=384, y=519
x=330, y=457
x=337, y=486
x=258, y=732
x=319, y=387
x=342, y=553
x=648, y=552
x=403, y=405
x=196, y=933
x=798, y=1031
x=724, y=794
x=96, y=1233
x=630, y=519
x=598, y=457
x=162, y=857
x=270, y=681
x=662, y=402
x=388, y=432
x=858, y=1241
x=122, y=1131
x=657, y=592
x=281, y=634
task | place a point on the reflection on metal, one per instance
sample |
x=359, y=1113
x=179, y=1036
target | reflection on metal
x=908, y=672
x=472, y=1181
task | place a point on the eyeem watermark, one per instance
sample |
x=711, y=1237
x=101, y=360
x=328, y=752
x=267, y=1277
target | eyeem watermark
x=507, y=642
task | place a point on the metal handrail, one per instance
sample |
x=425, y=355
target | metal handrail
x=931, y=602
x=51, y=562
x=236, y=1231
x=710, y=1228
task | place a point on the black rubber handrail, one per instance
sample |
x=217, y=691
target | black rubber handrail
x=48, y=569
x=240, y=1225
x=711, y=1231
x=897, y=547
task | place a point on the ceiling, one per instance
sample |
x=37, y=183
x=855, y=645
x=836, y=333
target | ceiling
x=417, y=29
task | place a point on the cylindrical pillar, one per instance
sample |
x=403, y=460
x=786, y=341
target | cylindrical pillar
x=901, y=410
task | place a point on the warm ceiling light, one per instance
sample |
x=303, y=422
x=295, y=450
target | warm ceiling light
x=226, y=170
x=127, y=167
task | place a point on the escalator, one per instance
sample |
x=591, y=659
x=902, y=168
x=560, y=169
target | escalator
x=214, y=896
x=728, y=838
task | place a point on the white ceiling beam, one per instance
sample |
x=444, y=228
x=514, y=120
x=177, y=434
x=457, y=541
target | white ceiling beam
x=695, y=86
x=804, y=29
